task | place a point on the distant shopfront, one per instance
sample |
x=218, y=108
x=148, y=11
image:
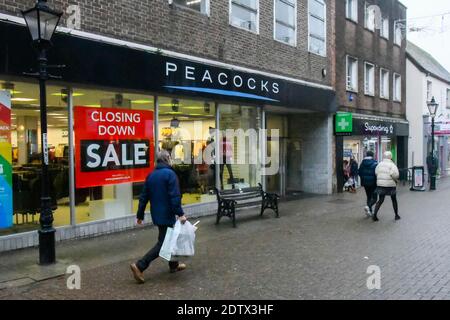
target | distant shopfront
x=136, y=102
x=374, y=134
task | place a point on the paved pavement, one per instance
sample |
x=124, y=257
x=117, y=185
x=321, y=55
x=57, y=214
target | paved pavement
x=320, y=248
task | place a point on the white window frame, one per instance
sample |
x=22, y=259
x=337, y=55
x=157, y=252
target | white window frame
x=366, y=18
x=386, y=96
x=324, y=25
x=367, y=92
x=356, y=80
x=354, y=10
x=397, y=28
x=395, y=91
x=383, y=32
x=275, y=23
x=207, y=5
x=230, y=21
x=448, y=98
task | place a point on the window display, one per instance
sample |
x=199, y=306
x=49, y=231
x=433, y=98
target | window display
x=186, y=129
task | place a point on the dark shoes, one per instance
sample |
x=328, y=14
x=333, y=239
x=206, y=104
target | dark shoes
x=374, y=218
x=397, y=217
x=138, y=275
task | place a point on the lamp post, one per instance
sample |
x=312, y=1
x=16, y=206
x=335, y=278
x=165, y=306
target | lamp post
x=42, y=22
x=432, y=108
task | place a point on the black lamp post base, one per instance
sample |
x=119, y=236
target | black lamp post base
x=47, y=246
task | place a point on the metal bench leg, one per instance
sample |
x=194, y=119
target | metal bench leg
x=233, y=216
x=218, y=217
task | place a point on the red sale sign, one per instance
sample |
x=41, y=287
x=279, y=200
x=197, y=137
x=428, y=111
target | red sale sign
x=112, y=146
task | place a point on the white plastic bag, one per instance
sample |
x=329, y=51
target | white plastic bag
x=184, y=246
x=170, y=241
x=179, y=241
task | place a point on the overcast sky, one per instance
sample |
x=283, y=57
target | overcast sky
x=434, y=36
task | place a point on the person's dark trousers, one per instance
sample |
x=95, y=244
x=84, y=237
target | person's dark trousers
x=380, y=202
x=371, y=196
x=154, y=252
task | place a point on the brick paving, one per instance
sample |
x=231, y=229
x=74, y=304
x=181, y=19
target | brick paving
x=320, y=248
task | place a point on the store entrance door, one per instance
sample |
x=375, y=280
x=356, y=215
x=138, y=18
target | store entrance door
x=287, y=154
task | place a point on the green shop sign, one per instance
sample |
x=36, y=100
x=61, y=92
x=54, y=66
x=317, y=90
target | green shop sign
x=344, y=123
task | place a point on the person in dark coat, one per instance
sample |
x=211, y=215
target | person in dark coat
x=162, y=189
x=369, y=180
x=353, y=172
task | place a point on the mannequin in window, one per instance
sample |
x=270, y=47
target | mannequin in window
x=227, y=159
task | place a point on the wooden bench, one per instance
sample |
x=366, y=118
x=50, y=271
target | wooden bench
x=230, y=200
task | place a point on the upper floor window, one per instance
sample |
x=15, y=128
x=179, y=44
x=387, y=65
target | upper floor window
x=398, y=34
x=198, y=5
x=429, y=90
x=384, y=32
x=352, y=74
x=369, y=79
x=317, y=27
x=351, y=10
x=245, y=14
x=384, y=83
x=369, y=19
x=397, y=87
x=448, y=98
x=286, y=21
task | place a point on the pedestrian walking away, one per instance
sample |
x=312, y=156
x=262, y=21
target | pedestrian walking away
x=162, y=189
x=369, y=180
x=353, y=173
x=387, y=179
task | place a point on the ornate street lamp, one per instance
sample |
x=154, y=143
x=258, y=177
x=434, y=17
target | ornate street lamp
x=432, y=108
x=42, y=22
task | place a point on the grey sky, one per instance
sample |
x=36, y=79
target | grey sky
x=434, y=34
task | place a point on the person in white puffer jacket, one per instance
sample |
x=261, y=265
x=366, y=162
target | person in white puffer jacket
x=387, y=176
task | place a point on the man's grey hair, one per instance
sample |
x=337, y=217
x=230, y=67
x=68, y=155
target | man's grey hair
x=163, y=156
x=388, y=155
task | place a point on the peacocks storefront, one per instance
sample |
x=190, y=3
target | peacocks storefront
x=137, y=100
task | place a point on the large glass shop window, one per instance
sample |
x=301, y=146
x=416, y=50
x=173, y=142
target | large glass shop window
x=114, y=149
x=239, y=146
x=187, y=130
x=20, y=161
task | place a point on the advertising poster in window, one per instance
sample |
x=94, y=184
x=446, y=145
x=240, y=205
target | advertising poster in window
x=6, y=191
x=112, y=146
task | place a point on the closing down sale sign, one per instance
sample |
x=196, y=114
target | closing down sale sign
x=112, y=146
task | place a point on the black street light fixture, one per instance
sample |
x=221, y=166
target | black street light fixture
x=42, y=22
x=432, y=108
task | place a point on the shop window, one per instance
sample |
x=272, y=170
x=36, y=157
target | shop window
x=187, y=130
x=384, y=84
x=352, y=74
x=369, y=18
x=351, y=10
x=384, y=32
x=239, y=146
x=197, y=5
x=397, y=87
x=317, y=27
x=25, y=147
x=99, y=196
x=285, y=21
x=245, y=14
x=369, y=82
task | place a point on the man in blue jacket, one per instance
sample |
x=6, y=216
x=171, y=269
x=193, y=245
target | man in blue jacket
x=162, y=189
x=369, y=180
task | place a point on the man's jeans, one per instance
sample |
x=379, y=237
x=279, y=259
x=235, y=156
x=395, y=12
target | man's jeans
x=154, y=252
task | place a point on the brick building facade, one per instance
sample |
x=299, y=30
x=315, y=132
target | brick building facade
x=373, y=42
